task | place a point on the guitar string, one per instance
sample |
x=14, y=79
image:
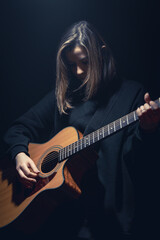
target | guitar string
x=57, y=166
x=109, y=129
x=117, y=123
x=53, y=156
x=97, y=136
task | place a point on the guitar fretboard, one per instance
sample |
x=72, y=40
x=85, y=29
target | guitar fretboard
x=99, y=134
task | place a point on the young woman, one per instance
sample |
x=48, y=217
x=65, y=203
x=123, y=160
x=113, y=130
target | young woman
x=89, y=94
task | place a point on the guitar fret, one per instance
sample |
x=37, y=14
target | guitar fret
x=76, y=147
x=99, y=131
x=63, y=153
x=120, y=120
x=124, y=122
x=108, y=130
x=81, y=144
x=117, y=124
x=127, y=119
x=111, y=128
x=70, y=149
x=73, y=147
x=114, y=126
x=60, y=155
x=86, y=141
x=93, y=137
x=98, y=134
x=103, y=132
x=66, y=151
x=132, y=117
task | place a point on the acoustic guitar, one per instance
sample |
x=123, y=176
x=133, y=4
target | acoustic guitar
x=62, y=161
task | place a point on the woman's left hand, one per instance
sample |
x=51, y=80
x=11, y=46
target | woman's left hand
x=149, y=114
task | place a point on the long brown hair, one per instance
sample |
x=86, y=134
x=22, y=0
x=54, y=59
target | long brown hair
x=101, y=67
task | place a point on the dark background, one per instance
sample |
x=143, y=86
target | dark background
x=31, y=31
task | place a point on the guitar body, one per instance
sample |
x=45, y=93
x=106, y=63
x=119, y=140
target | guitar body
x=58, y=181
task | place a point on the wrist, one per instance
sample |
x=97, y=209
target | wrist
x=20, y=154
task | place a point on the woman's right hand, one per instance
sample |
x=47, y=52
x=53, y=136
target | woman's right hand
x=26, y=169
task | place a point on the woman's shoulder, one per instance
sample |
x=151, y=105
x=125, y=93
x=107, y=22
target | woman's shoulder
x=131, y=93
x=48, y=99
x=122, y=85
x=131, y=88
x=131, y=84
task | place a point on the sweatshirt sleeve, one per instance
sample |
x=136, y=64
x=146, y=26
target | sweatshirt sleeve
x=36, y=125
x=140, y=149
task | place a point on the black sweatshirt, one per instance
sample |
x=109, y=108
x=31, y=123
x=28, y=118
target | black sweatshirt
x=124, y=162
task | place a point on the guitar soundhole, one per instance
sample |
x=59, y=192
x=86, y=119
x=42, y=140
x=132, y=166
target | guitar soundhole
x=49, y=162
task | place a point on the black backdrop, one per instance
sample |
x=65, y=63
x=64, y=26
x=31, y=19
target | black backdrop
x=31, y=31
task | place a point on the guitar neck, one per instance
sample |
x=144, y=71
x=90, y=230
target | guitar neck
x=99, y=134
